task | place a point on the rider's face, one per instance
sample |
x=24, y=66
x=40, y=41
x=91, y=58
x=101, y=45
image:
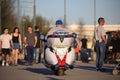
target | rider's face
x=59, y=25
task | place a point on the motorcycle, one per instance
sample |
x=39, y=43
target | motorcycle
x=59, y=56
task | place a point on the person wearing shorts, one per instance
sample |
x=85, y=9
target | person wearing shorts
x=16, y=45
x=5, y=40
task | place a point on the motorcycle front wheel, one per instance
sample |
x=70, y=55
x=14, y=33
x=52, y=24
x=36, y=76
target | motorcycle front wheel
x=59, y=72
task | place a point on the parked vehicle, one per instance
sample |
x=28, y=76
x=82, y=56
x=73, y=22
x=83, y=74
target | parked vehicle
x=110, y=52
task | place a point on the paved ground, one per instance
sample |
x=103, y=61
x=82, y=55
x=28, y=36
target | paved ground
x=82, y=71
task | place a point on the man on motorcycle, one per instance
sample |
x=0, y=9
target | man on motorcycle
x=59, y=51
x=59, y=27
x=58, y=30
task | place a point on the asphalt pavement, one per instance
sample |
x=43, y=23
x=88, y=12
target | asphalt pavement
x=82, y=71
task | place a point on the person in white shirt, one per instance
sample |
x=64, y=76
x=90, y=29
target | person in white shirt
x=5, y=40
x=100, y=38
x=58, y=30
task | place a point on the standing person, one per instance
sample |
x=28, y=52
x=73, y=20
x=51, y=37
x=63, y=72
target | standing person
x=100, y=38
x=77, y=48
x=30, y=41
x=84, y=55
x=16, y=45
x=37, y=47
x=89, y=48
x=5, y=40
x=115, y=45
x=84, y=42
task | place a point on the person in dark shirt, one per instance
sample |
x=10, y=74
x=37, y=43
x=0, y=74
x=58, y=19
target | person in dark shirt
x=84, y=55
x=16, y=45
x=84, y=42
x=30, y=41
x=37, y=54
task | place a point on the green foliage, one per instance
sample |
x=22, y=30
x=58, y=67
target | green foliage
x=8, y=18
x=44, y=25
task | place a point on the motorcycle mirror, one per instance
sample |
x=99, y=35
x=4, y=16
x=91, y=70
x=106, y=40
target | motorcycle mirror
x=42, y=36
x=74, y=35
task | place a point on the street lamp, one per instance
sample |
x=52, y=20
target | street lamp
x=64, y=13
x=34, y=11
x=34, y=15
x=94, y=14
x=18, y=5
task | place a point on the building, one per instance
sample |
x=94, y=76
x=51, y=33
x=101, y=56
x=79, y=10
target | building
x=88, y=30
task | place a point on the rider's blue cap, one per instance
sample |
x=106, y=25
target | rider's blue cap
x=59, y=22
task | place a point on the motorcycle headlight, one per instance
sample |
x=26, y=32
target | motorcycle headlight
x=74, y=35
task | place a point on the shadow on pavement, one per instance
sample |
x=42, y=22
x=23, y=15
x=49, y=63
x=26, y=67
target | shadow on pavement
x=40, y=71
x=86, y=68
x=51, y=78
x=21, y=62
x=91, y=68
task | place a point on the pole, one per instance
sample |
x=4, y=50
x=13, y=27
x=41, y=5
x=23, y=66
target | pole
x=64, y=13
x=94, y=14
x=18, y=13
x=0, y=17
x=34, y=13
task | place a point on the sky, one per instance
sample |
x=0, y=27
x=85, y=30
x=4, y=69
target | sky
x=77, y=10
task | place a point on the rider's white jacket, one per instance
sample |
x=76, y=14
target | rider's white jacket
x=59, y=41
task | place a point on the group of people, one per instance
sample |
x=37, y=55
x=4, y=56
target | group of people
x=8, y=42
x=13, y=43
x=83, y=49
x=32, y=43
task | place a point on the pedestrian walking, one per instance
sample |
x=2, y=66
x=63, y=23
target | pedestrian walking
x=30, y=41
x=16, y=45
x=37, y=52
x=5, y=41
x=100, y=45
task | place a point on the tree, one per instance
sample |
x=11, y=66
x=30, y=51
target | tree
x=8, y=18
x=25, y=23
x=43, y=24
x=81, y=24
